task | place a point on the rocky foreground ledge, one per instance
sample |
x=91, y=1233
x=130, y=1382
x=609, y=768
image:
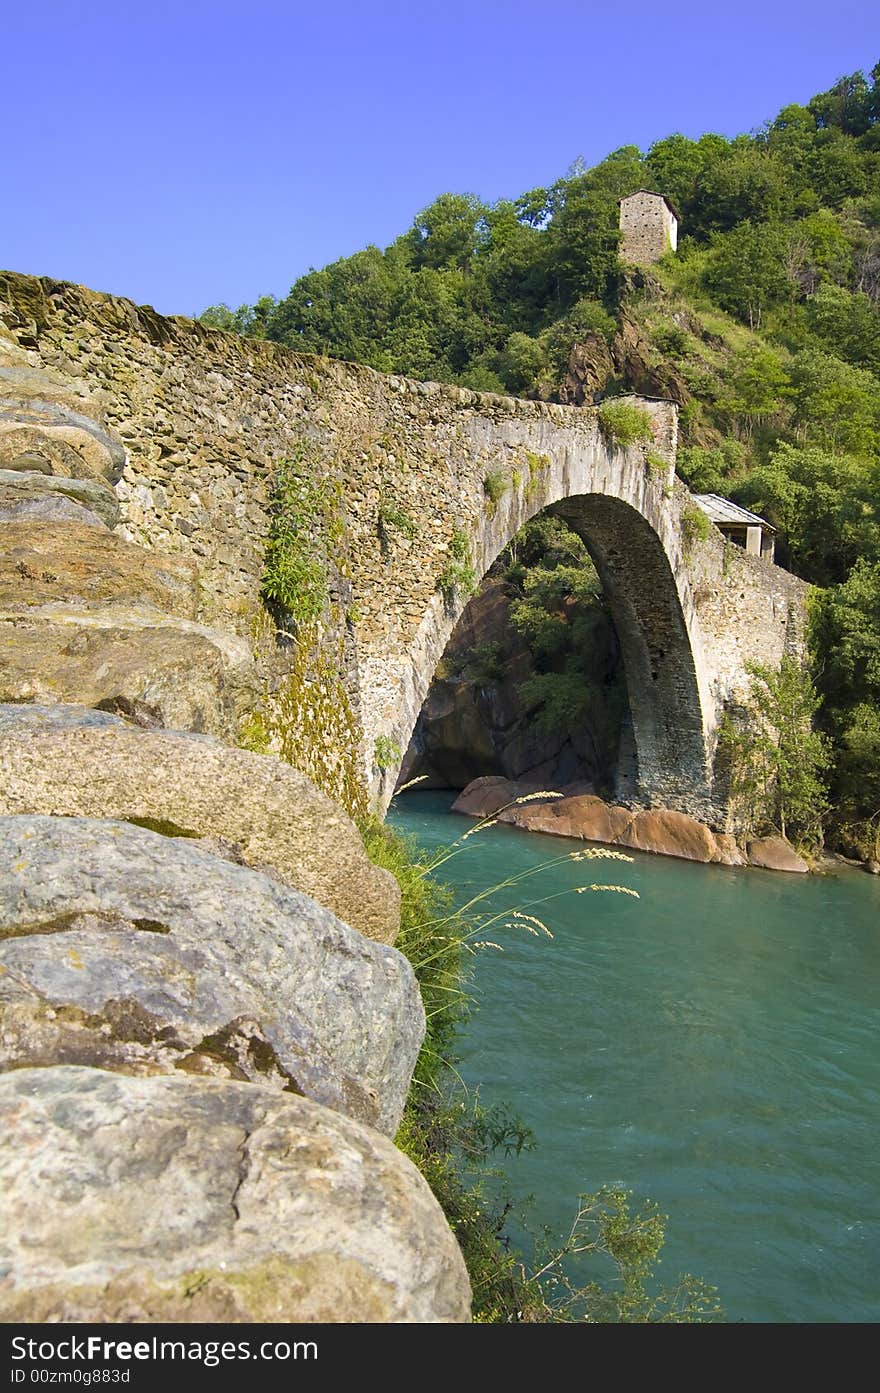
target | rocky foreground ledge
x=206, y=1037
x=585, y=817
x=167, y=1199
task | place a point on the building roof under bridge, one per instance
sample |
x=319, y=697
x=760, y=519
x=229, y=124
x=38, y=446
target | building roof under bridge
x=721, y=510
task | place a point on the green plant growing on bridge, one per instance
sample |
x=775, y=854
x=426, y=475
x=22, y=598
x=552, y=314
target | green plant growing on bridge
x=392, y=516
x=386, y=752
x=495, y=485
x=306, y=716
x=695, y=527
x=304, y=526
x=624, y=423
x=458, y=577
x=537, y=465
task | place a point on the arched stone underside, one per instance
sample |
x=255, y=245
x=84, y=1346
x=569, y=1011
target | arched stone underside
x=200, y=420
x=668, y=723
x=673, y=720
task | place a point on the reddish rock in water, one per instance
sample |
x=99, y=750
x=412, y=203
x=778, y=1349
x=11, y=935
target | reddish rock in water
x=486, y=796
x=584, y=816
x=775, y=854
x=729, y=854
x=670, y=834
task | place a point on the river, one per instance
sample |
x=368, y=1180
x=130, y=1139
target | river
x=712, y=1044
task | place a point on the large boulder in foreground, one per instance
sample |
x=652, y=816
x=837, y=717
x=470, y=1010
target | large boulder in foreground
x=33, y=494
x=775, y=854
x=87, y=617
x=49, y=426
x=72, y=762
x=131, y=951
x=168, y=1199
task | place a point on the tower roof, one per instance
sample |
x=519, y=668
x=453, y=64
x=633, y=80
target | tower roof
x=652, y=193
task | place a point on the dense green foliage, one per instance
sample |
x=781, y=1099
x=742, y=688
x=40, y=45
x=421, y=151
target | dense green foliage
x=776, y=758
x=764, y=327
x=458, y=577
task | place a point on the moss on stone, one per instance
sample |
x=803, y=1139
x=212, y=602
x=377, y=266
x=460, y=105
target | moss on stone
x=309, y=721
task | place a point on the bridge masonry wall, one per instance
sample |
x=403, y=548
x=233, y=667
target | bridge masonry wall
x=205, y=417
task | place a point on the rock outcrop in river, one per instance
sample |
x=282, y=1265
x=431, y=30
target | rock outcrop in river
x=585, y=817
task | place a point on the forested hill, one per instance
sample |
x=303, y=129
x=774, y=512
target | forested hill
x=765, y=327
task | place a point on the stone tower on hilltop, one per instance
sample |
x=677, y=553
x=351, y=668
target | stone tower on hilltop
x=648, y=226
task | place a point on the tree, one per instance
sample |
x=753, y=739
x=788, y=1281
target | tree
x=511, y=266
x=252, y=321
x=845, y=634
x=775, y=758
x=839, y=169
x=584, y=232
x=344, y=310
x=845, y=638
x=858, y=770
x=835, y=404
x=849, y=106
x=847, y=323
x=676, y=166
x=746, y=270
x=823, y=503
x=748, y=184
x=448, y=232
x=818, y=250
x=521, y=363
x=760, y=385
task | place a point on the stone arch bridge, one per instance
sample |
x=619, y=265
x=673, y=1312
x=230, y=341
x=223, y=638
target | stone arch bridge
x=169, y=434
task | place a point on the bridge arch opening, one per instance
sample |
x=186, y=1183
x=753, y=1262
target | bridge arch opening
x=490, y=703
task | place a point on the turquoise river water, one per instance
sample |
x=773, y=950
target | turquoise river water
x=714, y=1044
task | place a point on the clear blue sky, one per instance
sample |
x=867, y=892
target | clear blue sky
x=190, y=152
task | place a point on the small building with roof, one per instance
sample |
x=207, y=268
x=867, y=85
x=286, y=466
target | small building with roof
x=648, y=227
x=738, y=525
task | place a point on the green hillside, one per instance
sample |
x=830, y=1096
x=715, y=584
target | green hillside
x=764, y=327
